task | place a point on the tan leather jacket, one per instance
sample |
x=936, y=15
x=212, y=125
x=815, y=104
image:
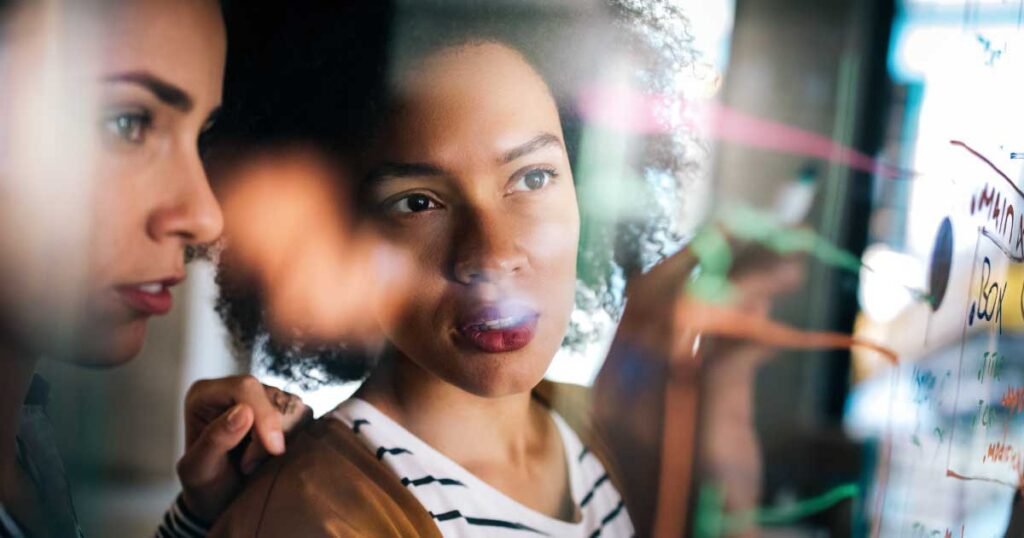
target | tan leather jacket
x=330, y=484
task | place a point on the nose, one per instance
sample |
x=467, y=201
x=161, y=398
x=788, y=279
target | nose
x=189, y=211
x=487, y=250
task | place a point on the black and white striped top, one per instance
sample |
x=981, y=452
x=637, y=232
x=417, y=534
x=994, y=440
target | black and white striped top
x=465, y=506
x=178, y=522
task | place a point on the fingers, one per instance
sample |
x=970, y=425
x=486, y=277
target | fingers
x=294, y=413
x=290, y=414
x=206, y=459
x=209, y=399
x=221, y=414
x=267, y=422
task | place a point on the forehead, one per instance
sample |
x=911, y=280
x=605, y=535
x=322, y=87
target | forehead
x=482, y=95
x=181, y=41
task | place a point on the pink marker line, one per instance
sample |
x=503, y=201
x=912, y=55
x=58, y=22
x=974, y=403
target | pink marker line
x=639, y=113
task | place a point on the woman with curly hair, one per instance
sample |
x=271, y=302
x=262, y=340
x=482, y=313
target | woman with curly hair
x=468, y=169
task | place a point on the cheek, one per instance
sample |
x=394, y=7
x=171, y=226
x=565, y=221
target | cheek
x=61, y=267
x=425, y=247
x=123, y=191
x=552, y=241
x=555, y=243
x=118, y=250
x=552, y=245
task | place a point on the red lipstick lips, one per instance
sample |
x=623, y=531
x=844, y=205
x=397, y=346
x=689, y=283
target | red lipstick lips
x=499, y=329
x=150, y=298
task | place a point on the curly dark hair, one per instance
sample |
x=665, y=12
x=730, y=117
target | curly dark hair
x=321, y=73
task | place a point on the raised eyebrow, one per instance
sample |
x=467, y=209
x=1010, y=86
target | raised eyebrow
x=163, y=90
x=534, y=144
x=404, y=170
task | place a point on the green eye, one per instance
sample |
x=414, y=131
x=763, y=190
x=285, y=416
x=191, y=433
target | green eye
x=128, y=127
x=533, y=180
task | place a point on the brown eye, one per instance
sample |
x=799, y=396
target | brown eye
x=414, y=203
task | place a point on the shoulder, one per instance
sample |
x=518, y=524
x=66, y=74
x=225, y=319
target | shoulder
x=574, y=403
x=326, y=484
x=571, y=402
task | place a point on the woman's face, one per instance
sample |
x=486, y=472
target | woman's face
x=474, y=182
x=156, y=82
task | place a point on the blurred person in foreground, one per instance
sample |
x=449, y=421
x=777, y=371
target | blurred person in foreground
x=101, y=110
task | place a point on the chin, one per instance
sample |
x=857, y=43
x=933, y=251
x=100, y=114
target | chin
x=497, y=376
x=123, y=344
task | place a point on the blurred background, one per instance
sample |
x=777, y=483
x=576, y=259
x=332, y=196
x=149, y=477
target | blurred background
x=891, y=129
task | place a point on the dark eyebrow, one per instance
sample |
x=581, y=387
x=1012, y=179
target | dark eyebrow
x=540, y=141
x=401, y=170
x=163, y=90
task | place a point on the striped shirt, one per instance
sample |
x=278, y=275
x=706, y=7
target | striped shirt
x=178, y=522
x=464, y=506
